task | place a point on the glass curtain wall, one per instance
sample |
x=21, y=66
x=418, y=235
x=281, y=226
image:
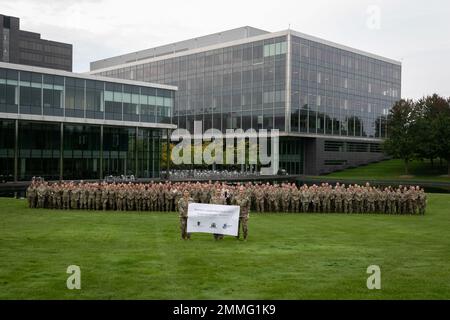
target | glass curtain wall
x=7, y=147
x=9, y=91
x=337, y=92
x=241, y=86
x=39, y=150
x=81, y=155
x=52, y=95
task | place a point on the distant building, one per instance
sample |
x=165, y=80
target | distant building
x=24, y=47
x=329, y=101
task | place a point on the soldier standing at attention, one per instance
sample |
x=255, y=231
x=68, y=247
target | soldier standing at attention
x=217, y=198
x=105, y=197
x=285, y=198
x=422, y=201
x=41, y=193
x=295, y=199
x=243, y=201
x=183, y=204
x=31, y=195
x=75, y=197
x=259, y=195
x=66, y=197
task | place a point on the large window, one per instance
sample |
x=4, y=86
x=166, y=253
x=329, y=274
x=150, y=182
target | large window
x=130, y=103
x=75, y=102
x=53, y=93
x=95, y=99
x=9, y=91
x=39, y=150
x=7, y=138
x=30, y=93
x=81, y=152
x=113, y=101
x=119, y=151
x=148, y=105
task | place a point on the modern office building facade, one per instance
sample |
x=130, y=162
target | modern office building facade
x=62, y=125
x=330, y=102
x=24, y=47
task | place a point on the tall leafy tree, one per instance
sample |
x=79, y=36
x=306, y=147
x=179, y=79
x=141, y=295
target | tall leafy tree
x=427, y=114
x=400, y=142
x=441, y=129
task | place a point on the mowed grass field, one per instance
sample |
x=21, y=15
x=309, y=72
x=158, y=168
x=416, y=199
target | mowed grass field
x=394, y=170
x=288, y=256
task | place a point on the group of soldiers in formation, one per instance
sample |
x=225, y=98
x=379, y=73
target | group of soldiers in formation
x=168, y=196
x=285, y=197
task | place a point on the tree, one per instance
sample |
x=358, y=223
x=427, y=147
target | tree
x=400, y=142
x=427, y=113
x=441, y=130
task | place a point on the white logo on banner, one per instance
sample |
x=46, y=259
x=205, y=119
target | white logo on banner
x=213, y=218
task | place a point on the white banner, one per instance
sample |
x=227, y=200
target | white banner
x=213, y=218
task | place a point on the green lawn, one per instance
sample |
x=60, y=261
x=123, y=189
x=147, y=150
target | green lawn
x=287, y=256
x=394, y=170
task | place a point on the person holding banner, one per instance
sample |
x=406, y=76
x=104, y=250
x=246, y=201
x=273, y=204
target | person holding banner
x=243, y=201
x=217, y=198
x=183, y=205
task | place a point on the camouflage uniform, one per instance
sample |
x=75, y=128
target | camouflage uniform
x=259, y=195
x=217, y=198
x=41, y=194
x=74, y=198
x=183, y=204
x=285, y=199
x=31, y=196
x=112, y=194
x=295, y=199
x=306, y=199
x=105, y=198
x=243, y=201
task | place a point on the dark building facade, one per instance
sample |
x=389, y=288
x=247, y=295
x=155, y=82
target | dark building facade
x=24, y=47
x=62, y=125
x=330, y=102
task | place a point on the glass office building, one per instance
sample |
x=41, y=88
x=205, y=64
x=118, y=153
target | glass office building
x=62, y=125
x=330, y=102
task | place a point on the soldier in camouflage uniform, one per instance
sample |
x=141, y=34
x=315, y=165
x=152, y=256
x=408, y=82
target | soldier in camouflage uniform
x=422, y=199
x=154, y=198
x=98, y=198
x=259, y=200
x=65, y=197
x=315, y=199
x=217, y=198
x=348, y=200
x=305, y=198
x=285, y=198
x=295, y=199
x=121, y=194
x=41, y=194
x=104, y=198
x=75, y=197
x=112, y=194
x=32, y=195
x=183, y=204
x=243, y=201
x=338, y=198
x=273, y=199
x=326, y=204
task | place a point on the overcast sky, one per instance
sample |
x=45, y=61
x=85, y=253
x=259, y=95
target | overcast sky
x=415, y=32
